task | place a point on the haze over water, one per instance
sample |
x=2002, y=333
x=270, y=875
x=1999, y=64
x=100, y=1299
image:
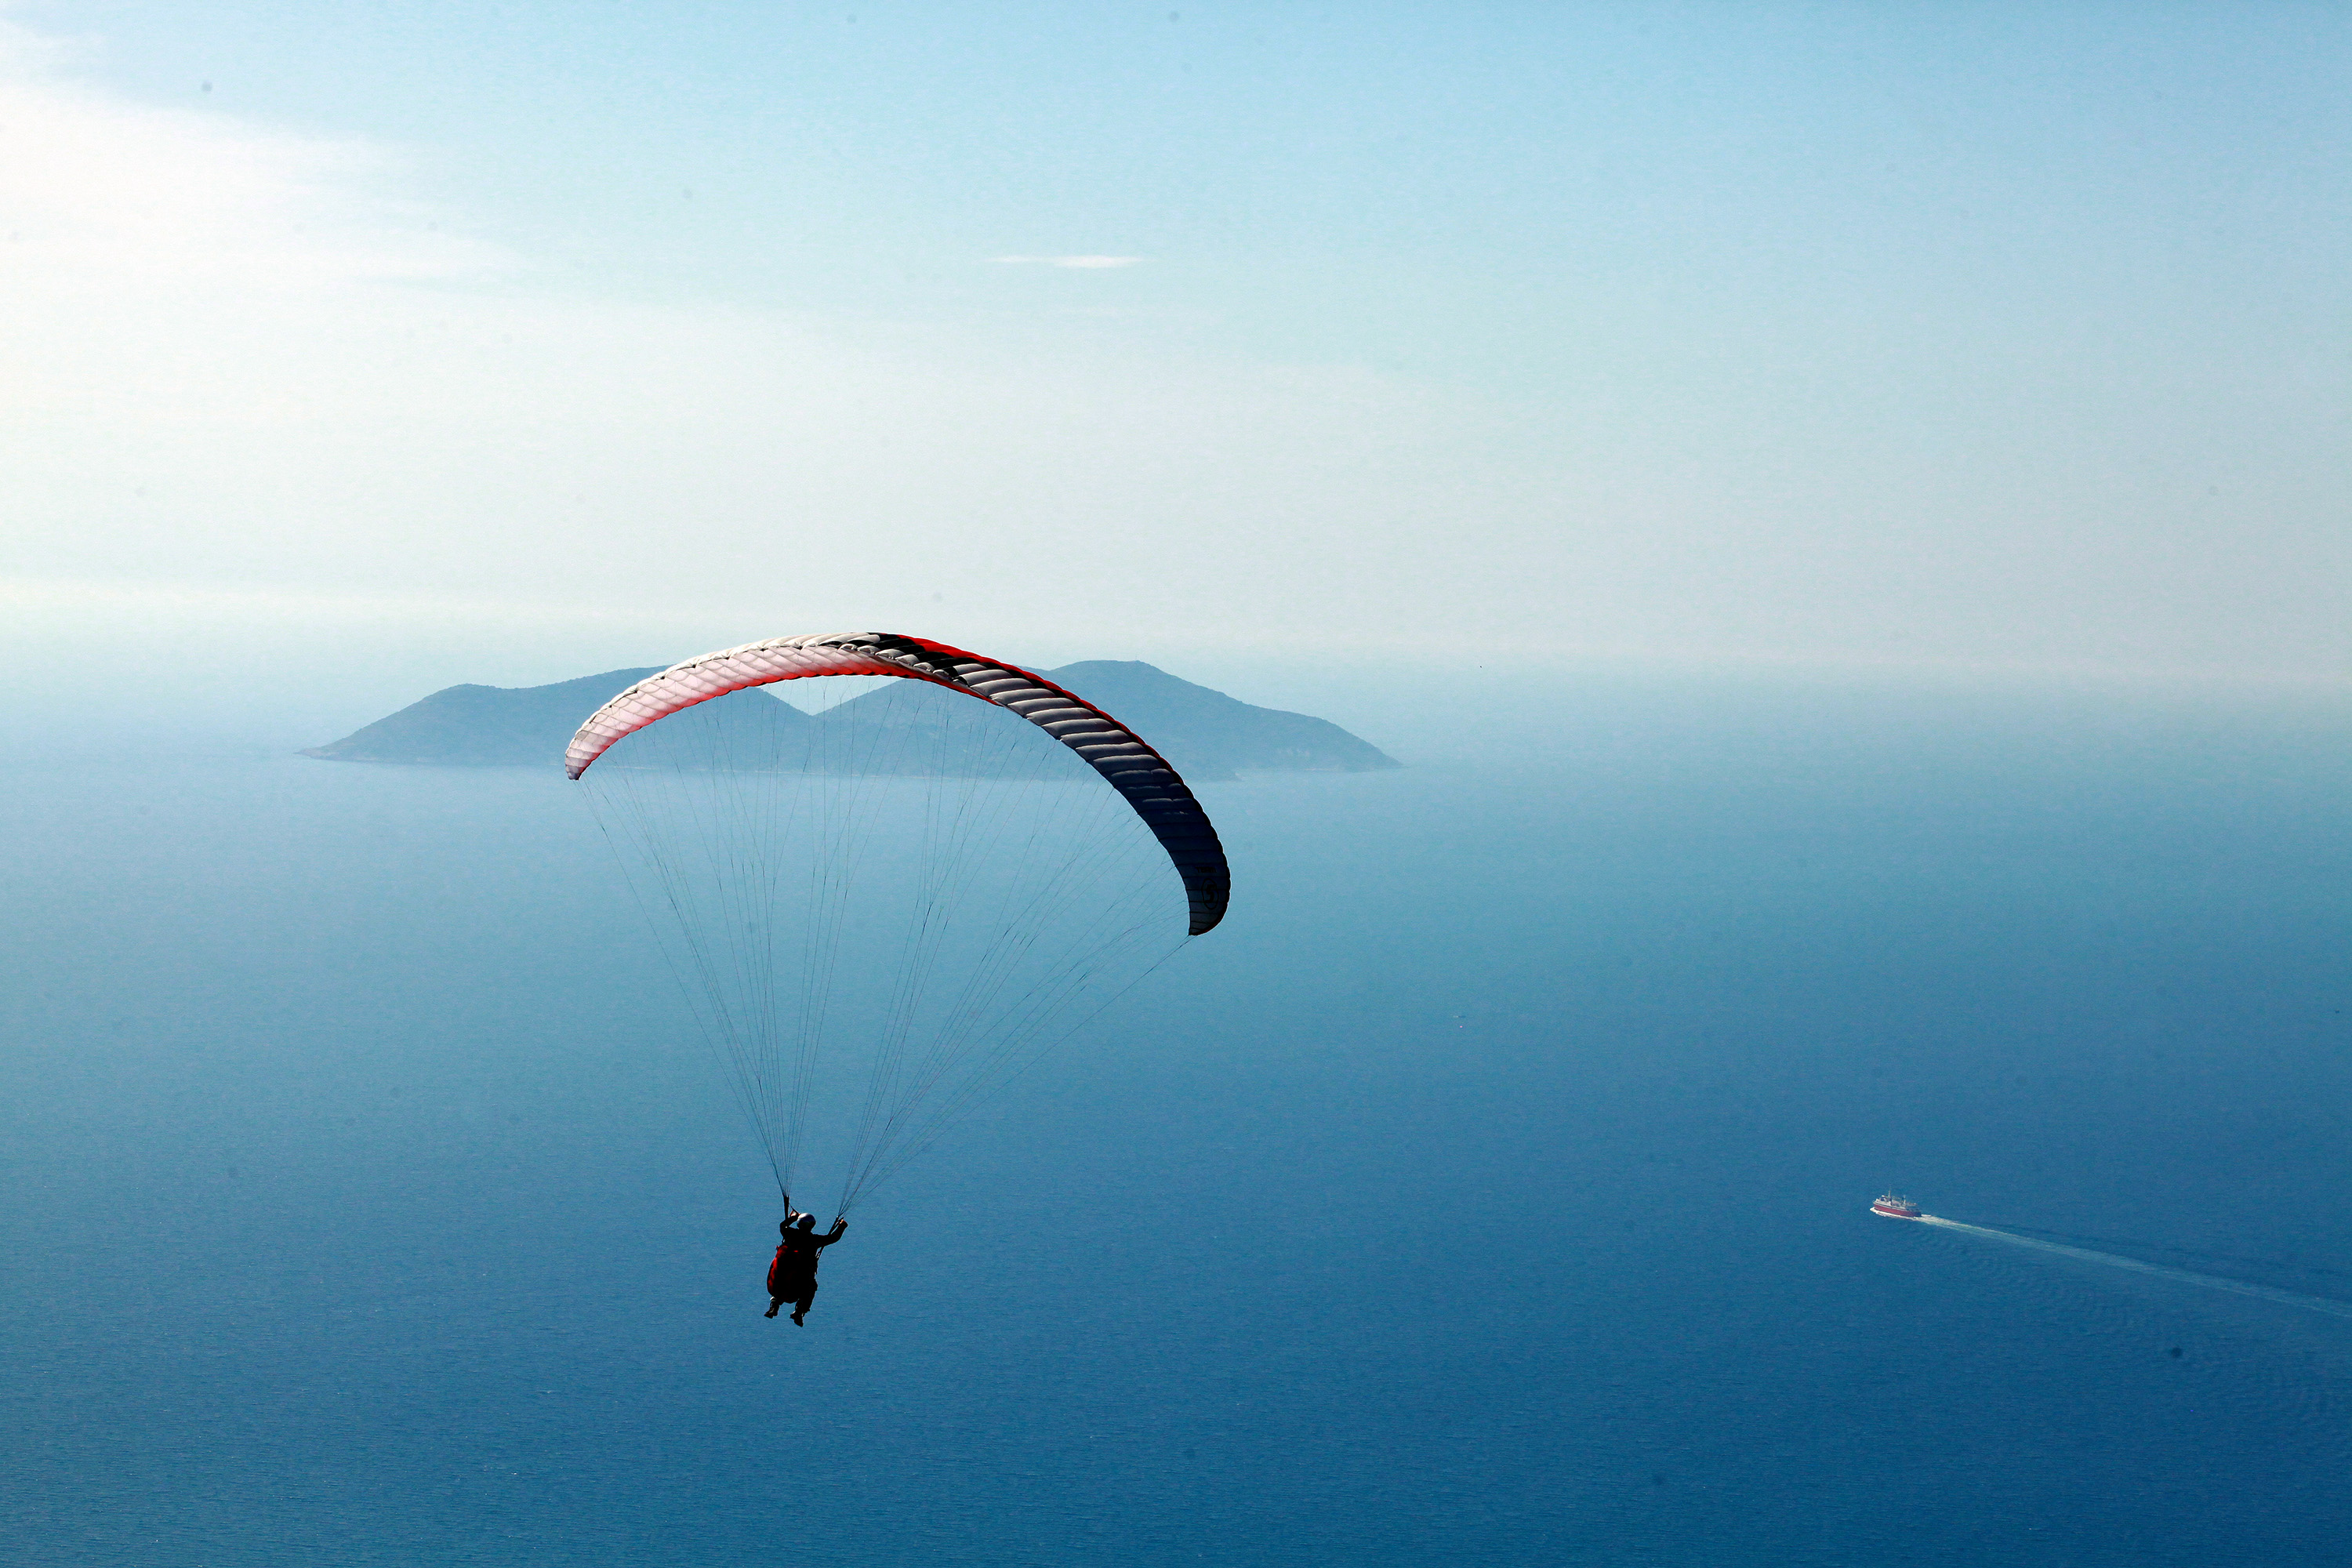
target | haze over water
x=1490, y=1189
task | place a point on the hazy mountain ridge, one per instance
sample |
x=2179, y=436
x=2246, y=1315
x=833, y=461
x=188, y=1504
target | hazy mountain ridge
x=1205, y=733
x=483, y=726
x=1208, y=734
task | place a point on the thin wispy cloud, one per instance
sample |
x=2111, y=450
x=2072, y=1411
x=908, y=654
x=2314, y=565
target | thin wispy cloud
x=1086, y=263
x=106, y=194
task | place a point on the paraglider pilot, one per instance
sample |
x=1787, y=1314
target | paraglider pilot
x=793, y=1277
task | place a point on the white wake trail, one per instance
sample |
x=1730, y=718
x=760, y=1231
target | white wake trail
x=2210, y=1281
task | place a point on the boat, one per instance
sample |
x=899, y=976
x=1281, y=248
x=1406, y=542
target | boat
x=1893, y=1207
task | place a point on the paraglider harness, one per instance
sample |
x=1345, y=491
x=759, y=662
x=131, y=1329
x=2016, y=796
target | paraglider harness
x=794, y=1268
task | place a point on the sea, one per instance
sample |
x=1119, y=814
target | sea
x=1491, y=1189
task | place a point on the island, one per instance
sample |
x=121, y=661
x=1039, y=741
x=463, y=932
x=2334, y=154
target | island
x=1205, y=734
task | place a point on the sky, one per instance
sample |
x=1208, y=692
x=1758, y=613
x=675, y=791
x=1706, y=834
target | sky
x=403, y=344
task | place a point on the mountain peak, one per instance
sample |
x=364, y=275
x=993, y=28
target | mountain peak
x=477, y=726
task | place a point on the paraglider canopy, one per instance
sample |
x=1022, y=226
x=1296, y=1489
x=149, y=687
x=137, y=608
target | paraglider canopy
x=1140, y=773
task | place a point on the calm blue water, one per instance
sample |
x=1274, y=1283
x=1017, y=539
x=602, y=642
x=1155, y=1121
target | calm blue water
x=1489, y=1190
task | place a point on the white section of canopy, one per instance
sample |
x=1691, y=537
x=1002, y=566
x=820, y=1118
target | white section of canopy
x=710, y=674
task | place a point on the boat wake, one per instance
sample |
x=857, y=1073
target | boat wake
x=2182, y=1275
